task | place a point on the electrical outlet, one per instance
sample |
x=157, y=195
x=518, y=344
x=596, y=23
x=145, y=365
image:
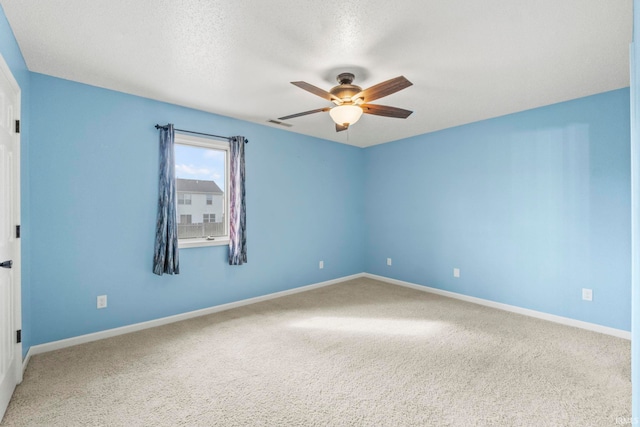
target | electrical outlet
x=456, y=272
x=587, y=294
x=388, y=261
x=102, y=301
x=321, y=265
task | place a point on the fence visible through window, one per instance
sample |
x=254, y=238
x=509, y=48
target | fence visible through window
x=201, y=230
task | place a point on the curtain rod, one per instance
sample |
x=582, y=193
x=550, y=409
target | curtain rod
x=199, y=133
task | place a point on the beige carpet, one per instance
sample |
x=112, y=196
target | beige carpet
x=360, y=353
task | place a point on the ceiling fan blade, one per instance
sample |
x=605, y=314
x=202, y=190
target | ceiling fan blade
x=340, y=128
x=383, y=89
x=304, y=113
x=316, y=91
x=385, y=110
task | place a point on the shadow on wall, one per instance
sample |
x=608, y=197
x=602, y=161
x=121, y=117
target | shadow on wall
x=549, y=200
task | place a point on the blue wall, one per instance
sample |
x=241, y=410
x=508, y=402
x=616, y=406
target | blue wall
x=13, y=57
x=532, y=207
x=94, y=163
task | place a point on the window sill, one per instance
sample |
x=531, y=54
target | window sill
x=198, y=243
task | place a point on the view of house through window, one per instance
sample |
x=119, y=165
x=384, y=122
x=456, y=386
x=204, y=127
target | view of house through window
x=200, y=187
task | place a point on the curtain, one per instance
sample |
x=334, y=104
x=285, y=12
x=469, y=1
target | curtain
x=165, y=259
x=237, y=208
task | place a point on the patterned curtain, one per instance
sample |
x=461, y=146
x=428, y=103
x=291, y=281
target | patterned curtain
x=237, y=208
x=165, y=259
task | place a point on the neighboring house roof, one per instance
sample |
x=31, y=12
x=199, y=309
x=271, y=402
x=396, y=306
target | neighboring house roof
x=197, y=186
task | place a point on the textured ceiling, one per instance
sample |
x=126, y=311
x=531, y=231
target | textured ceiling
x=468, y=60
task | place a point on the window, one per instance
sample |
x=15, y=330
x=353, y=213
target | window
x=202, y=189
x=184, y=199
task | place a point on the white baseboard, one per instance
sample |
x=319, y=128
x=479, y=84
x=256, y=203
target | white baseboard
x=56, y=345
x=25, y=361
x=506, y=307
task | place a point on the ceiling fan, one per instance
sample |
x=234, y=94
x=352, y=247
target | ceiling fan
x=351, y=101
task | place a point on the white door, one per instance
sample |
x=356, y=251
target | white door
x=10, y=351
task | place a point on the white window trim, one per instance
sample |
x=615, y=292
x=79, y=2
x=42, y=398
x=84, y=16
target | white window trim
x=218, y=145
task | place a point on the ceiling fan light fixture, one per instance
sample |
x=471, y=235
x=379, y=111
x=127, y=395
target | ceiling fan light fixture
x=345, y=114
x=351, y=101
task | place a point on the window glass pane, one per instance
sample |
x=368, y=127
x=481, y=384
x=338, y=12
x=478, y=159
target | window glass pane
x=200, y=181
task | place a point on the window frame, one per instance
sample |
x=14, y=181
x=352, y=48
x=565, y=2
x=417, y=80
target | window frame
x=202, y=142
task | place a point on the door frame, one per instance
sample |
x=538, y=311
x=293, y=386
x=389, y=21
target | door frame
x=16, y=217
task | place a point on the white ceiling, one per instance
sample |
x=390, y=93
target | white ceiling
x=468, y=60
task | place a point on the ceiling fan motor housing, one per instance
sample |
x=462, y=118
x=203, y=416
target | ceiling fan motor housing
x=345, y=90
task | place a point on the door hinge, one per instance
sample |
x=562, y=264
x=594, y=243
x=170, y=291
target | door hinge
x=17, y=126
x=18, y=336
x=17, y=231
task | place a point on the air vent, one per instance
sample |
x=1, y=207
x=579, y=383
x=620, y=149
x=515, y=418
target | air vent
x=278, y=122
